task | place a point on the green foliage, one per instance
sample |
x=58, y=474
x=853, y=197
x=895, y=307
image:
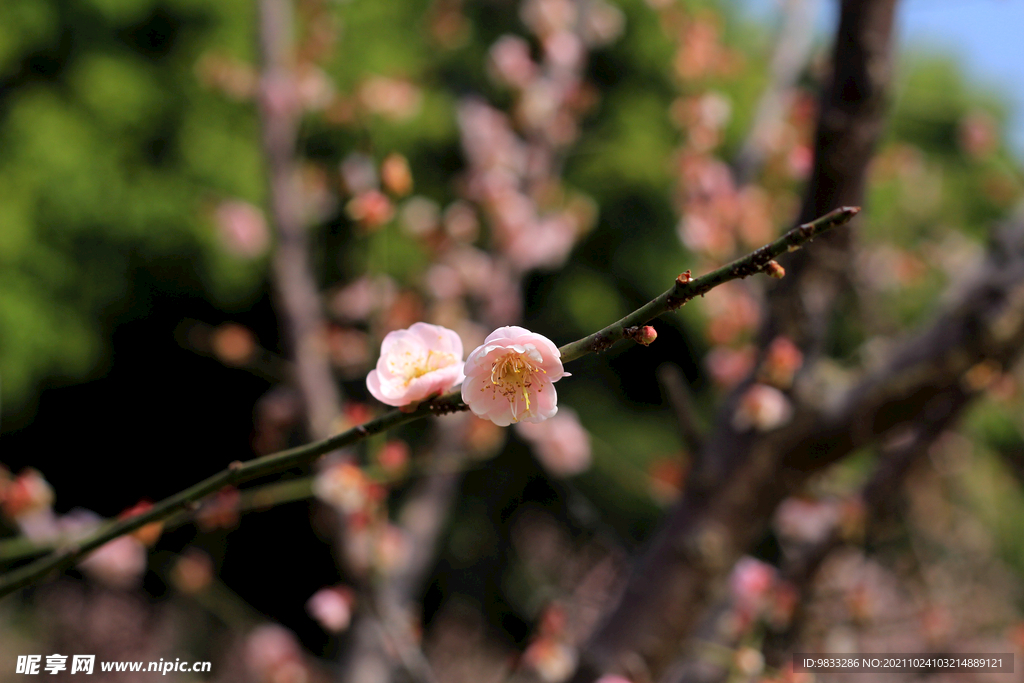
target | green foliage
x=119, y=151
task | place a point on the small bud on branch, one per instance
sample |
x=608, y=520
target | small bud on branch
x=642, y=335
x=773, y=269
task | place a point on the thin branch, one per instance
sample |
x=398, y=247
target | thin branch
x=674, y=384
x=687, y=288
x=297, y=293
x=684, y=289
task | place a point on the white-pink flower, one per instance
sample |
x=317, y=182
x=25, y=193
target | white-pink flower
x=509, y=378
x=416, y=364
x=332, y=608
x=562, y=444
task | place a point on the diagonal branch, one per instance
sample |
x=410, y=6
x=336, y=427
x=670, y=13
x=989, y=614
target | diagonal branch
x=684, y=289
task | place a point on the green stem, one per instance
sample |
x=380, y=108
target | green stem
x=686, y=289
x=236, y=473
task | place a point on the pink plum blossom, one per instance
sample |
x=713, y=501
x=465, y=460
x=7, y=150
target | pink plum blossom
x=511, y=62
x=415, y=364
x=763, y=408
x=332, y=608
x=242, y=228
x=509, y=378
x=119, y=563
x=562, y=444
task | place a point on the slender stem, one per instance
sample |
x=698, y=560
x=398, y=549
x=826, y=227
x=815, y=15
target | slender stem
x=684, y=289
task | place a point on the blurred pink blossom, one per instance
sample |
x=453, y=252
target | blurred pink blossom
x=806, y=521
x=273, y=655
x=553, y=660
x=510, y=61
x=509, y=378
x=564, y=50
x=562, y=444
x=443, y=281
x=394, y=456
x=29, y=492
x=349, y=349
x=543, y=244
x=420, y=216
x=193, y=571
x=538, y=105
x=487, y=137
x=371, y=209
x=460, y=222
x=362, y=297
x=359, y=173
x=119, y=563
x=749, y=583
x=415, y=364
x=602, y=23
x=763, y=408
x=242, y=228
x=331, y=608
x=344, y=485
x=391, y=550
x=781, y=362
x=728, y=366
x=547, y=16
x=39, y=526
x=474, y=266
x=979, y=134
x=314, y=86
x=390, y=97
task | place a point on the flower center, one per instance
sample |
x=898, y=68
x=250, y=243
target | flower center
x=410, y=365
x=513, y=375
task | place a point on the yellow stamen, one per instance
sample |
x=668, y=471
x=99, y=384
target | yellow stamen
x=411, y=367
x=513, y=375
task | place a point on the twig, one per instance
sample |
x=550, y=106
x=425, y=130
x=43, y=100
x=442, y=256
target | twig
x=687, y=288
x=674, y=384
x=682, y=290
x=392, y=629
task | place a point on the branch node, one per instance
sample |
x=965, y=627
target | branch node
x=684, y=278
x=446, y=407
